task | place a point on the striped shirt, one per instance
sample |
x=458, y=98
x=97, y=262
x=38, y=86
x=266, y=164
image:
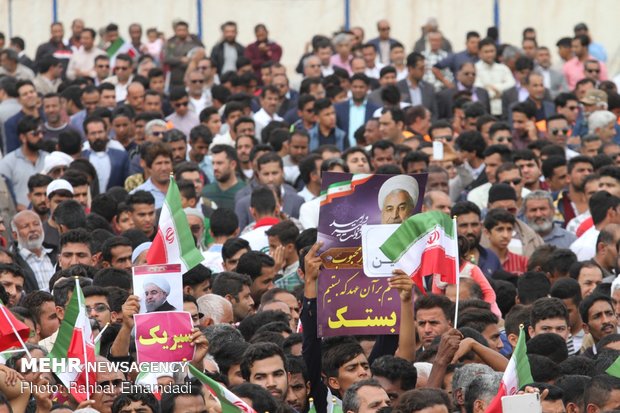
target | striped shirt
x=514, y=263
x=42, y=266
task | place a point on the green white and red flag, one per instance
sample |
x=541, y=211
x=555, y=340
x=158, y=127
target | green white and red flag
x=229, y=401
x=517, y=375
x=75, y=340
x=174, y=242
x=425, y=244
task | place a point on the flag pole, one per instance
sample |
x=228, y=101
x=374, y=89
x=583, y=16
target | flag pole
x=457, y=261
x=80, y=304
x=15, y=332
x=96, y=340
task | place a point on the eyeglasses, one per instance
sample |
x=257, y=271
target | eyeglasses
x=99, y=308
x=103, y=66
x=157, y=133
x=447, y=138
x=515, y=181
x=572, y=107
x=195, y=228
x=111, y=383
x=179, y=104
x=563, y=131
x=195, y=81
x=593, y=70
x=504, y=138
x=36, y=132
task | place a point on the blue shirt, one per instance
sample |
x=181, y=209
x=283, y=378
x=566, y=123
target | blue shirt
x=159, y=196
x=357, y=116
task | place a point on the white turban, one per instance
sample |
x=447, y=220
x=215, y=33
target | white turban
x=399, y=182
x=158, y=281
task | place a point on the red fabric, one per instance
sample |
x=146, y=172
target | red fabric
x=10, y=327
x=584, y=226
x=516, y=264
x=267, y=221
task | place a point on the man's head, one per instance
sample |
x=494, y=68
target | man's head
x=12, y=279
x=97, y=305
x=27, y=229
x=135, y=403
x=602, y=394
x=498, y=227
x=539, y=210
x=260, y=267
x=96, y=133
x=602, y=123
x=232, y=250
x=43, y=309
x=598, y=315
x=395, y=375
x=579, y=168
x=158, y=162
x=224, y=163
x=265, y=364
x=116, y=253
x=270, y=169
x=156, y=292
x=424, y=400
x=184, y=399
x=75, y=248
x=142, y=207
x=398, y=197
x=366, y=396
x=468, y=221
x=482, y=389
x=344, y=364
x=434, y=315
x=555, y=171
x=588, y=274
x=235, y=288
x=549, y=315
x=392, y=124
x=216, y=310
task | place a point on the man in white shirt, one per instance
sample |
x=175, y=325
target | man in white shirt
x=82, y=62
x=604, y=210
x=269, y=100
x=492, y=76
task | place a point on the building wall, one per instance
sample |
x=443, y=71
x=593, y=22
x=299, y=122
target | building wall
x=293, y=22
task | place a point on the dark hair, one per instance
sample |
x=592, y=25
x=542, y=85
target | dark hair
x=34, y=303
x=338, y=353
x=262, y=400
x=168, y=400
x=196, y=276
x=177, y=93
x=546, y=308
x=252, y=263
x=567, y=289
x=588, y=302
x=598, y=390
x=70, y=214
x=496, y=216
x=526, y=108
x=573, y=385
x=419, y=399
x=38, y=181
x=260, y=351
x=600, y=203
x=125, y=399
x=436, y=301
x=286, y=231
x=230, y=283
x=413, y=59
x=110, y=244
x=113, y=277
x=140, y=197
x=395, y=369
x=224, y=222
x=233, y=246
x=531, y=286
x=77, y=236
x=471, y=141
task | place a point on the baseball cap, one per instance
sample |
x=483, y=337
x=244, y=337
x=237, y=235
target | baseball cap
x=594, y=97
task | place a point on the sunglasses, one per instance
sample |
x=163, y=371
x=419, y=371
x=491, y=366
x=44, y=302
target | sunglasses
x=515, y=181
x=157, y=133
x=572, y=107
x=99, y=308
x=504, y=139
x=103, y=66
x=179, y=104
x=563, y=131
x=447, y=138
x=111, y=383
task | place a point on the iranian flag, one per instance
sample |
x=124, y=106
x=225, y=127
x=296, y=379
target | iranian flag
x=148, y=379
x=229, y=401
x=174, y=242
x=75, y=340
x=425, y=244
x=614, y=369
x=517, y=375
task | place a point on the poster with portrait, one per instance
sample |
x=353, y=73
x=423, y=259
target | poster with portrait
x=352, y=300
x=160, y=287
x=164, y=337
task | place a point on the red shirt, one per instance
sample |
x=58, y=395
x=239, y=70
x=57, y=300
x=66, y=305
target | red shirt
x=514, y=263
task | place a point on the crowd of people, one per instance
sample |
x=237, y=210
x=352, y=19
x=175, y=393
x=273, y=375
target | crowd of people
x=522, y=149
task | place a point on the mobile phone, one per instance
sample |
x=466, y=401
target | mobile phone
x=437, y=150
x=520, y=403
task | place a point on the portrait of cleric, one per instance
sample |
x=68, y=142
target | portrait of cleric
x=398, y=197
x=156, y=294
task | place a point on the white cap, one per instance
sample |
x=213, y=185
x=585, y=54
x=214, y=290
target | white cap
x=139, y=250
x=403, y=182
x=159, y=281
x=57, y=185
x=54, y=160
x=194, y=212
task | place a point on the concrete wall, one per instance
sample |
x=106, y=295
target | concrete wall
x=293, y=22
